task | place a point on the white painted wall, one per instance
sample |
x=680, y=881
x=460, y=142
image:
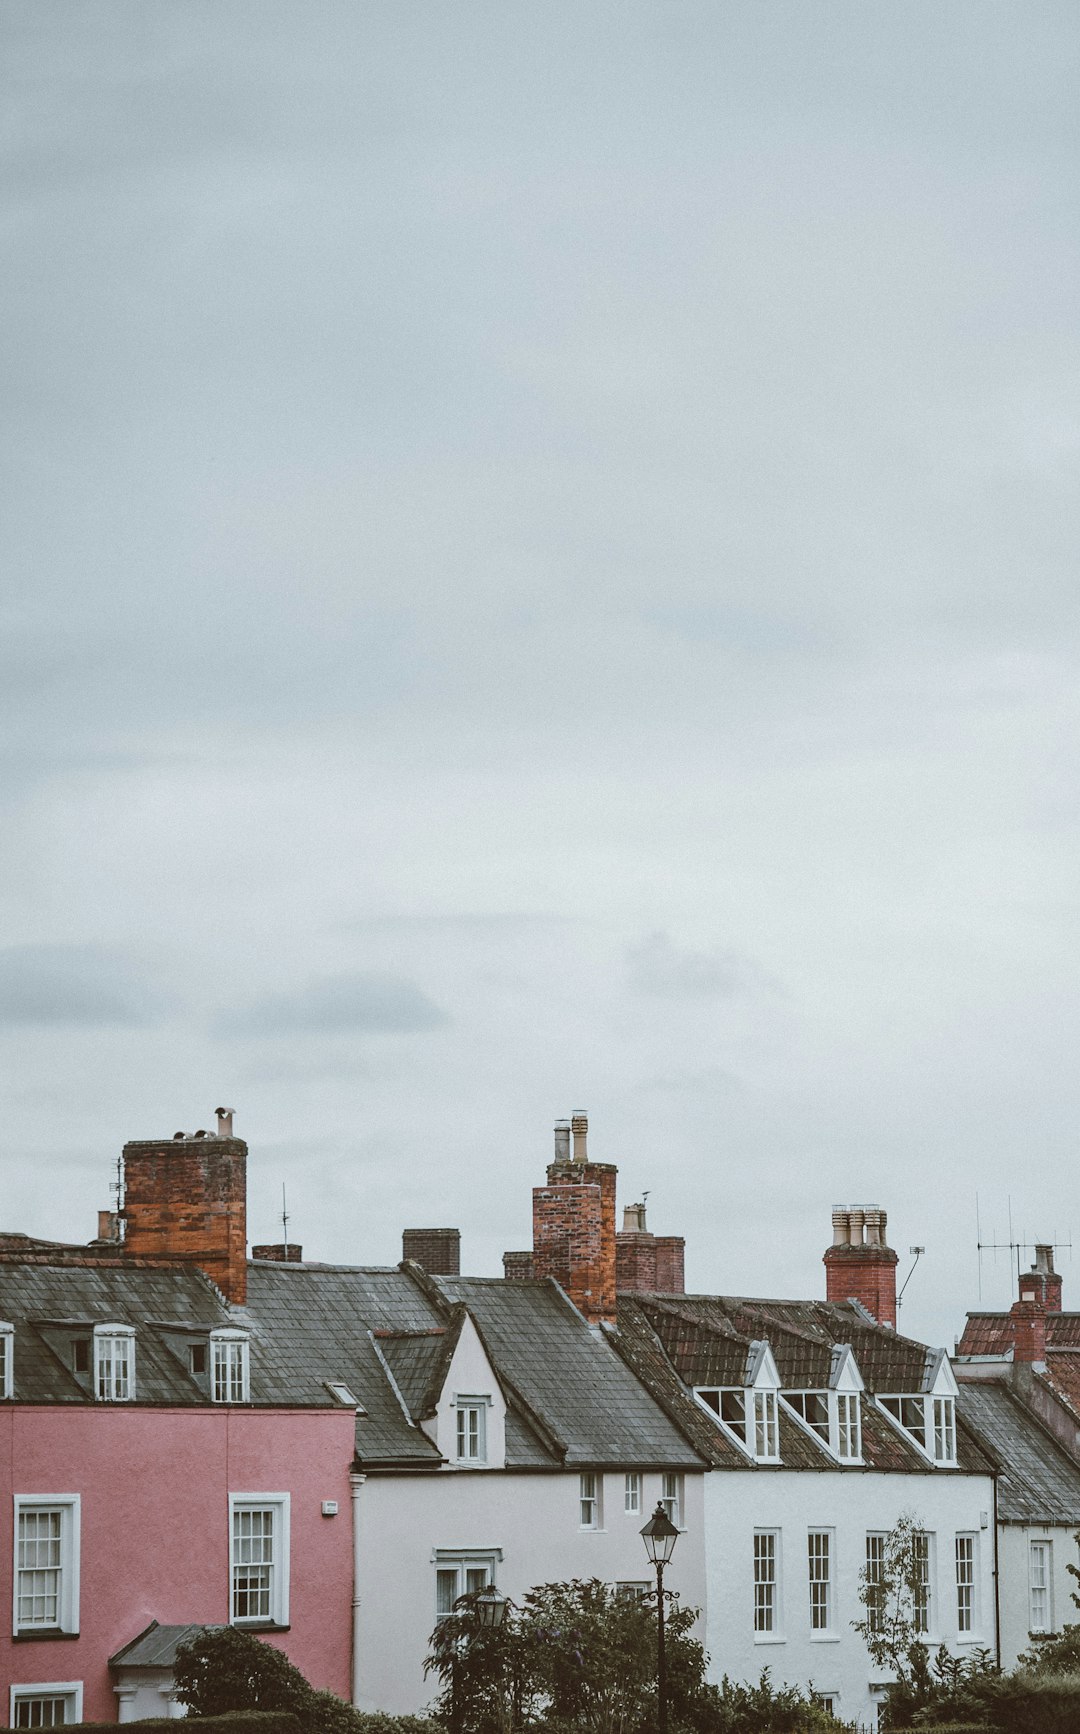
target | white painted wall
x=532, y=1518
x=470, y=1374
x=849, y=1502
x=1014, y=1542
x=144, y=1693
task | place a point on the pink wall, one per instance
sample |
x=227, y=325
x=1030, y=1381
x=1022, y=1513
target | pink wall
x=154, y=1485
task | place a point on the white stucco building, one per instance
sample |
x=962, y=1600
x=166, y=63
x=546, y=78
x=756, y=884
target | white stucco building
x=500, y=1438
x=822, y=1427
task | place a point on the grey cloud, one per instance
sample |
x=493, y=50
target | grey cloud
x=658, y=966
x=73, y=984
x=374, y=1002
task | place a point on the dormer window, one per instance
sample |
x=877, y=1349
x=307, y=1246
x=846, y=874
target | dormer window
x=114, y=1363
x=930, y=1422
x=749, y=1416
x=471, y=1429
x=229, y=1367
x=7, y=1357
x=834, y=1416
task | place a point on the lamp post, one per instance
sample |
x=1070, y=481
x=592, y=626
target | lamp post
x=660, y=1536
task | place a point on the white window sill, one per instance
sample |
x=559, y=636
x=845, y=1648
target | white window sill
x=770, y=1638
x=824, y=1637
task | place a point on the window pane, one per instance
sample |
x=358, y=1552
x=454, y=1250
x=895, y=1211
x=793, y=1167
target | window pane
x=445, y=1591
x=253, y=1563
x=764, y=1581
x=875, y=1572
x=47, y=1712
x=818, y=1555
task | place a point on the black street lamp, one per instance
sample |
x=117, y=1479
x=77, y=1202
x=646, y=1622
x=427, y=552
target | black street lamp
x=660, y=1536
x=491, y=1607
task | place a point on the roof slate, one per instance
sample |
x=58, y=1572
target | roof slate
x=49, y=1303
x=156, y=1647
x=676, y=1343
x=1039, y=1483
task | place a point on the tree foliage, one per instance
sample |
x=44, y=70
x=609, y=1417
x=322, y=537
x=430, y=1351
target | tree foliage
x=893, y=1600
x=223, y=1669
x=580, y=1659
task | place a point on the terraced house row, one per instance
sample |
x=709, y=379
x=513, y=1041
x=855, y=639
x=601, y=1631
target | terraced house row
x=330, y=1455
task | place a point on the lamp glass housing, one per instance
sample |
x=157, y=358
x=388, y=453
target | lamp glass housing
x=659, y=1536
x=490, y=1607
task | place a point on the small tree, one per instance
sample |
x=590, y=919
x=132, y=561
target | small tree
x=894, y=1596
x=577, y=1656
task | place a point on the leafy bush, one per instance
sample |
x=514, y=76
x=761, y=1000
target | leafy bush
x=764, y=1709
x=235, y=1722
x=226, y=1670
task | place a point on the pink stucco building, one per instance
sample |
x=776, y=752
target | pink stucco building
x=135, y=1517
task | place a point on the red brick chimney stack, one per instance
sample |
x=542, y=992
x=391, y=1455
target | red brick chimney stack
x=1028, y=1321
x=859, y=1265
x=1042, y=1282
x=649, y=1263
x=186, y=1197
x=574, y=1224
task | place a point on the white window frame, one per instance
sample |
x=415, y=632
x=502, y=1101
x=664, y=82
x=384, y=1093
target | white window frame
x=821, y=1552
x=1041, y=1546
x=113, y=1370
x=462, y=1561
x=69, y=1507
x=72, y=1690
x=966, y=1555
x=771, y=1632
x=937, y=1425
x=848, y=1426
x=7, y=1359
x=672, y=1488
x=278, y=1504
x=590, y=1500
x=943, y=1417
x=760, y=1423
x=229, y=1355
x=632, y=1589
x=875, y=1574
x=926, y=1537
x=470, y=1410
x=632, y=1493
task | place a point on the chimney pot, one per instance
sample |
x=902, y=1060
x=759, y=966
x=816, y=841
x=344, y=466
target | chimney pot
x=224, y=1121
x=580, y=1126
x=840, y=1226
x=562, y=1140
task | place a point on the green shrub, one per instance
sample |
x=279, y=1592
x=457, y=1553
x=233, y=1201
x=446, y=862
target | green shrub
x=381, y=1722
x=234, y=1722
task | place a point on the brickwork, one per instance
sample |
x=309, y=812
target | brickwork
x=187, y=1198
x=1028, y=1320
x=866, y=1274
x=286, y=1252
x=670, y=1264
x=635, y=1261
x=518, y=1266
x=1042, y=1280
x=436, y=1250
x=574, y=1234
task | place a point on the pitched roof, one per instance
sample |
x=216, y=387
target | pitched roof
x=568, y=1376
x=1039, y=1482
x=50, y=1303
x=389, y=1335
x=677, y=1343
x=992, y=1333
x=156, y=1647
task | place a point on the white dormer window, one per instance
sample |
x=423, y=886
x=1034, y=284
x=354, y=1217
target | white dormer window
x=471, y=1429
x=750, y=1417
x=7, y=1360
x=930, y=1422
x=834, y=1417
x=229, y=1367
x=114, y=1363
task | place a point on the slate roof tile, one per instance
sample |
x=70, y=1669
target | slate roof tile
x=1039, y=1482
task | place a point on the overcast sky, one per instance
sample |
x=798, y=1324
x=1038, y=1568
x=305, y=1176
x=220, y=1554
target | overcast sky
x=539, y=557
